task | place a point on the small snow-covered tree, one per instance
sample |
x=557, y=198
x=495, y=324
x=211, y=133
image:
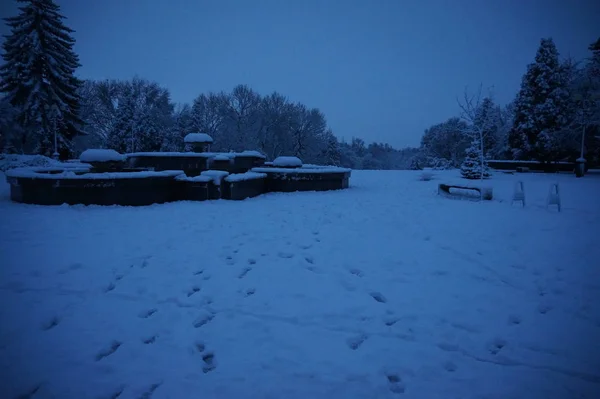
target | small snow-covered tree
x=475, y=164
x=481, y=123
x=38, y=76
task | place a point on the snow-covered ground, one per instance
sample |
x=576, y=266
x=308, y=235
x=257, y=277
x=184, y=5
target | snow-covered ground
x=384, y=290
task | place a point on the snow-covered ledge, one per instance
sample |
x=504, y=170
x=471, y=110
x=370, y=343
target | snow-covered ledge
x=198, y=142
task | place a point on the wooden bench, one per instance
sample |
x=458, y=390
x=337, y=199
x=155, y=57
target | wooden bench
x=466, y=192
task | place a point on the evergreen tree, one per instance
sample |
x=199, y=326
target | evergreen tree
x=541, y=106
x=38, y=75
x=471, y=167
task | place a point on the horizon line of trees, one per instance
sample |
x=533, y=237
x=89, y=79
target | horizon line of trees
x=43, y=101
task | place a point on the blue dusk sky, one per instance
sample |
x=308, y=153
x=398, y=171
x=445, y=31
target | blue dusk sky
x=382, y=70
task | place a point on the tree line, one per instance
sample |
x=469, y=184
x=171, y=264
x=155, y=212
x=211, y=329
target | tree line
x=558, y=105
x=44, y=106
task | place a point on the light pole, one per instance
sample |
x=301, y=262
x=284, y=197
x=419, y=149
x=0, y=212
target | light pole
x=54, y=116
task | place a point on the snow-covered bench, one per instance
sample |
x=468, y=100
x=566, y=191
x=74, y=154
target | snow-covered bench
x=467, y=192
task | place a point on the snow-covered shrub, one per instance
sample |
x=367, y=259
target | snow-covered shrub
x=12, y=161
x=440, y=164
x=287, y=162
x=426, y=176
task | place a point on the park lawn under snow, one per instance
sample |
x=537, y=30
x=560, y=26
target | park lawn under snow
x=384, y=290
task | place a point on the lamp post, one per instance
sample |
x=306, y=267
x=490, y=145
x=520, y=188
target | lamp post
x=580, y=162
x=55, y=156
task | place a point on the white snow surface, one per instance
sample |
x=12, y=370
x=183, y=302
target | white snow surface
x=215, y=175
x=287, y=161
x=70, y=174
x=245, y=176
x=329, y=169
x=197, y=138
x=383, y=290
x=101, y=155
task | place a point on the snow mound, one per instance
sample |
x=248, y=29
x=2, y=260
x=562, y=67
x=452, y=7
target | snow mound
x=198, y=138
x=245, y=176
x=252, y=153
x=198, y=179
x=215, y=175
x=100, y=155
x=283, y=162
x=13, y=161
x=222, y=158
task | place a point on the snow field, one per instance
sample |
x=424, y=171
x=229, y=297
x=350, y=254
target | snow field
x=385, y=290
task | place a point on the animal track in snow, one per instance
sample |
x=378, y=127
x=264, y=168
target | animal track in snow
x=193, y=290
x=251, y=261
x=199, y=272
x=309, y=259
x=147, y=313
x=50, y=324
x=250, y=292
x=285, y=255
x=378, y=297
x=108, y=351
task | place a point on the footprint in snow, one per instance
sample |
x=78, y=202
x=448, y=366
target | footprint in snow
x=50, y=324
x=111, y=286
x=250, y=292
x=72, y=267
x=209, y=362
x=357, y=272
x=202, y=321
x=244, y=272
x=514, y=320
x=285, y=255
x=544, y=308
x=149, y=340
x=251, y=261
x=395, y=384
x=229, y=260
x=496, y=346
x=150, y=391
x=147, y=313
x=450, y=366
x=109, y=350
x=193, y=290
x=378, y=297
x=355, y=342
